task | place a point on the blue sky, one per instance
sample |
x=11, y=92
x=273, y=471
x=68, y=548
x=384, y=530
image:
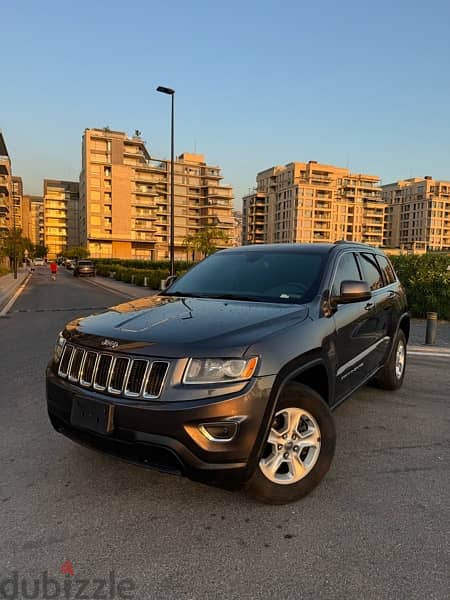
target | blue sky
x=365, y=85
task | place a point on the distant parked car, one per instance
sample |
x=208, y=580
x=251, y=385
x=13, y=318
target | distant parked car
x=39, y=262
x=84, y=267
x=70, y=265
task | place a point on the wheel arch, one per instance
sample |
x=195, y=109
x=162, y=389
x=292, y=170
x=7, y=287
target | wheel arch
x=405, y=325
x=312, y=370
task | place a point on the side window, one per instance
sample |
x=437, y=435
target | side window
x=371, y=271
x=347, y=269
x=386, y=268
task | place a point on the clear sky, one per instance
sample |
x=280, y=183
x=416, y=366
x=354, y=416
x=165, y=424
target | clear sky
x=356, y=83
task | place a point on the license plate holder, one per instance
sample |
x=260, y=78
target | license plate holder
x=95, y=416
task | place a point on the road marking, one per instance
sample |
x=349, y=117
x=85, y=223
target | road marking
x=19, y=290
x=73, y=309
x=429, y=354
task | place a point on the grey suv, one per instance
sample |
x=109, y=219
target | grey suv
x=230, y=375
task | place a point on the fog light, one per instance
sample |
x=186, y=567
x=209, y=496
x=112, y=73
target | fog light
x=223, y=431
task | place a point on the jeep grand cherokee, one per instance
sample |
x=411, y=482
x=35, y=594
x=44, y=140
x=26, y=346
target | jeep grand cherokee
x=230, y=375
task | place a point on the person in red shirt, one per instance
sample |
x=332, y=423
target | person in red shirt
x=53, y=269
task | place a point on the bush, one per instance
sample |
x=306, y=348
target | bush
x=135, y=271
x=132, y=275
x=426, y=281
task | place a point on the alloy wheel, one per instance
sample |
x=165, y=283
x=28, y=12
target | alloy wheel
x=292, y=447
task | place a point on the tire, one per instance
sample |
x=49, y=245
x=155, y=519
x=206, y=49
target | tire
x=391, y=375
x=301, y=471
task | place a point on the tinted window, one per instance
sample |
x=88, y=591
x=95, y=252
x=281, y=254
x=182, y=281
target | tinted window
x=347, y=269
x=291, y=277
x=386, y=269
x=371, y=271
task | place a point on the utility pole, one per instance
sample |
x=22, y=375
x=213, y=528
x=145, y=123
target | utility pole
x=14, y=234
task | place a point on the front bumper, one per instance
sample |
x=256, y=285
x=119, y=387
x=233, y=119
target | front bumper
x=165, y=435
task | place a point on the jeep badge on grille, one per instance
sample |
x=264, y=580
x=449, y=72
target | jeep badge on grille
x=109, y=343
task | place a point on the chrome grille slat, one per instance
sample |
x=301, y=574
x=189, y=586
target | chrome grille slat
x=75, y=364
x=136, y=378
x=102, y=372
x=87, y=368
x=65, y=360
x=155, y=379
x=113, y=374
x=118, y=372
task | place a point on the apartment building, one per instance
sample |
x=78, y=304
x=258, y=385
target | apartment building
x=5, y=188
x=33, y=218
x=125, y=198
x=16, y=202
x=236, y=238
x=61, y=216
x=313, y=202
x=417, y=214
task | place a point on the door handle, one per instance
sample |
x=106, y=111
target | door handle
x=369, y=306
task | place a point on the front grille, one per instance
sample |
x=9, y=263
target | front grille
x=117, y=375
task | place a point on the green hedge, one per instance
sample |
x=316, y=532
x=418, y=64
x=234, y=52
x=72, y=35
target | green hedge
x=130, y=275
x=427, y=282
x=180, y=265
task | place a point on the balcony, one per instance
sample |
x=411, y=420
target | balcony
x=143, y=227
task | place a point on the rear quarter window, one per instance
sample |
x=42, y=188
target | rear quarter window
x=371, y=271
x=386, y=268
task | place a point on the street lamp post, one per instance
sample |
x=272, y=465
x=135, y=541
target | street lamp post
x=170, y=92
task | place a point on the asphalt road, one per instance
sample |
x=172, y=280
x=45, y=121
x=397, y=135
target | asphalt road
x=377, y=526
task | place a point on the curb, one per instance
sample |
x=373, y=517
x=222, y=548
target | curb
x=8, y=298
x=119, y=292
x=429, y=352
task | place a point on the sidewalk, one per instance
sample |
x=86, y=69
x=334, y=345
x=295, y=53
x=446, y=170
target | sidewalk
x=417, y=337
x=123, y=289
x=9, y=285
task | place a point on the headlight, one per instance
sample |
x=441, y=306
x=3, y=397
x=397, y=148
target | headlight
x=219, y=370
x=59, y=347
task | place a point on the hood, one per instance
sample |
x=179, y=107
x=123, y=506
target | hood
x=170, y=327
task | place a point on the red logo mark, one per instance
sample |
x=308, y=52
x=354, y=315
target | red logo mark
x=67, y=568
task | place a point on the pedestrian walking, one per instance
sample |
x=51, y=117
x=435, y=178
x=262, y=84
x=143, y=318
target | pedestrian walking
x=53, y=269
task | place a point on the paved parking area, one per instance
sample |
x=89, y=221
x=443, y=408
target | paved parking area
x=377, y=527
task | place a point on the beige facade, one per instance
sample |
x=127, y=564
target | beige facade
x=125, y=198
x=312, y=202
x=61, y=216
x=236, y=237
x=5, y=189
x=417, y=214
x=33, y=219
x=16, y=202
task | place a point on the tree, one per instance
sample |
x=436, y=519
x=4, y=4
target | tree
x=77, y=252
x=39, y=251
x=14, y=244
x=206, y=240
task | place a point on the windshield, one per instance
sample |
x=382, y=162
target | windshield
x=287, y=277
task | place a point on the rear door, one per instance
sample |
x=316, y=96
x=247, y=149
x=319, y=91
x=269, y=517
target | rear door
x=355, y=330
x=379, y=313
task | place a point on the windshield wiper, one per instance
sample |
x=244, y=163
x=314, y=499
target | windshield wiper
x=185, y=295
x=227, y=296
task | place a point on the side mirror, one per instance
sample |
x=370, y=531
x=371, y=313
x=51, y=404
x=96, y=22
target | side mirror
x=353, y=291
x=166, y=283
